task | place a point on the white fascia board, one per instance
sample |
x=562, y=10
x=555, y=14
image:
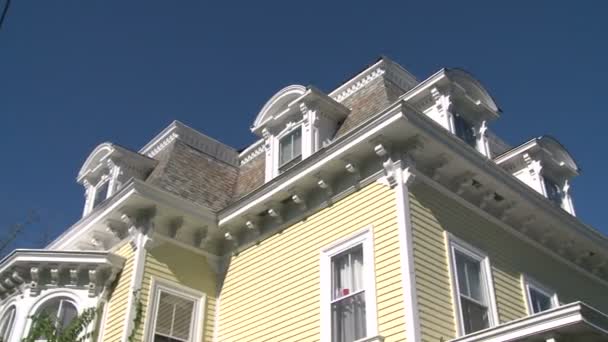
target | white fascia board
x=536, y=324
x=251, y=148
x=424, y=85
x=515, y=151
x=159, y=137
x=335, y=152
x=355, y=79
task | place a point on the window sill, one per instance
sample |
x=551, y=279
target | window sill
x=377, y=338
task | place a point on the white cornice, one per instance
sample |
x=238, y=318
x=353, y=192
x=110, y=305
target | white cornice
x=251, y=152
x=192, y=137
x=384, y=67
x=136, y=192
x=33, y=256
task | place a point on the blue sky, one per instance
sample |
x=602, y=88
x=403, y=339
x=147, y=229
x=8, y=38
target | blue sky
x=74, y=74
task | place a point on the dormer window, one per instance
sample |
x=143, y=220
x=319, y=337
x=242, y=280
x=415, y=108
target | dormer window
x=107, y=169
x=101, y=192
x=554, y=191
x=464, y=130
x=295, y=123
x=290, y=149
x=543, y=164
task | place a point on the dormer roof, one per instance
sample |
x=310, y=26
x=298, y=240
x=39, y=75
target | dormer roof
x=458, y=82
x=549, y=148
x=109, y=151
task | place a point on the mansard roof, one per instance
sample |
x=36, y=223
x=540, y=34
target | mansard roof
x=551, y=148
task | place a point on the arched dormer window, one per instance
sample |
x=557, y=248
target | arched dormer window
x=459, y=103
x=295, y=123
x=107, y=169
x=6, y=323
x=544, y=165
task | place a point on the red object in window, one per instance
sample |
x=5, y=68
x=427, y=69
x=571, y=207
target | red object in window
x=345, y=292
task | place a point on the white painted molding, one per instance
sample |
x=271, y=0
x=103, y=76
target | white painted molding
x=406, y=252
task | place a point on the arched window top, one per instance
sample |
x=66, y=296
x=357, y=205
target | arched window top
x=6, y=323
x=62, y=310
x=278, y=104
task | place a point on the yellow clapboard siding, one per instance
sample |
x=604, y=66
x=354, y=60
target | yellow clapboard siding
x=186, y=268
x=432, y=214
x=271, y=291
x=117, y=305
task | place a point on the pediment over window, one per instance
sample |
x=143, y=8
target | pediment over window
x=279, y=105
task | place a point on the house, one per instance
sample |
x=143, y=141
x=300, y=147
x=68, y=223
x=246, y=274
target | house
x=384, y=210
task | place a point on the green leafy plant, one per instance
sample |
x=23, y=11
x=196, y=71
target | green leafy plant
x=139, y=310
x=46, y=327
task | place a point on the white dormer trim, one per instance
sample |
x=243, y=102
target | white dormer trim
x=295, y=107
x=539, y=159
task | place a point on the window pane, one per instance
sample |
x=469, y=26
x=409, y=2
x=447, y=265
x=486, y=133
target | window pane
x=540, y=302
x=101, y=192
x=347, y=269
x=164, y=315
x=297, y=143
x=554, y=192
x=173, y=318
x=475, y=316
x=341, y=278
x=290, y=146
x=357, y=261
x=67, y=314
x=348, y=318
x=469, y=276
x=464, y=130
x=285, y=152
x=183, y=318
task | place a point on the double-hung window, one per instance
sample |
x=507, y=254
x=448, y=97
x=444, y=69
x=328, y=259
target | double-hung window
x=348, y=290
x=175, y=314
x=473, y=288
x=539, y=298
x=290, y=149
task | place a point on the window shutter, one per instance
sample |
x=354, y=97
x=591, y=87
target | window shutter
x=174, y=316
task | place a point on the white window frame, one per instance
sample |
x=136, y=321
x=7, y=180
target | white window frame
x=455, y=244
x=277, y=145
x=364, y=238
x=198, y=316
x=529, y=283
